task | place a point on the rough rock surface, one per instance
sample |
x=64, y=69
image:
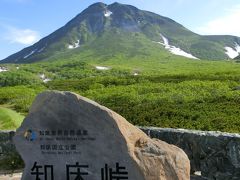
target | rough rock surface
x=215, y=155
x=6, y=144
x=113, y=140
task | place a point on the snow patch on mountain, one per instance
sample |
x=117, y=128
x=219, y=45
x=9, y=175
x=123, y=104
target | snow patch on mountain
x=30, y=54
x=180, y=52
x=40, y=50
x=44, y=78
x=3, y=69
x=74, y=45
x=165, y=42
x=174, y=49
x=107, y=13
x=232, y=52
x=102, y=68
x=237, y=47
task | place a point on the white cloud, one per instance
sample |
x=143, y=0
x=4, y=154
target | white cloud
x=225, y=25
x=22, y=36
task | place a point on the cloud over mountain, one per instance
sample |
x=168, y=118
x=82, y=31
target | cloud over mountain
x=227, y=24
x=22, y=36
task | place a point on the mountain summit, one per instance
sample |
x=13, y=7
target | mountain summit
x=107, y=30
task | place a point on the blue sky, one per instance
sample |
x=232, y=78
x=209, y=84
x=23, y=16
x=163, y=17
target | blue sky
x=23, y=22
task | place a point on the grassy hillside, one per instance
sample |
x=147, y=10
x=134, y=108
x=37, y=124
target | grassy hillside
x=9, y=119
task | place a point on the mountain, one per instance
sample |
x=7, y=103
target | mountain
x=117, y=29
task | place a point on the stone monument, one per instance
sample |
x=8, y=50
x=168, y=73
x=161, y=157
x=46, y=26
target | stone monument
x=69, y=137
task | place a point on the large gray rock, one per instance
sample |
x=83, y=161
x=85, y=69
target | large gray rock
x=66, y=135
x=215, y=155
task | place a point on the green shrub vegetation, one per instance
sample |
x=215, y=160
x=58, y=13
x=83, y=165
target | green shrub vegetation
x=9, y=119
x=168, y=91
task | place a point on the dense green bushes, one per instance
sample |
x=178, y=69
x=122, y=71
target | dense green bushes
x=169, y=93
x=18, y=78
x=193, y=104
x=20, y=97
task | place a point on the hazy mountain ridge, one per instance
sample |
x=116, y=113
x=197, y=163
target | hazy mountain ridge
x=125, y=21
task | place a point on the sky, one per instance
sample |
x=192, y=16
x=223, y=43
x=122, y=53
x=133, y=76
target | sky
x=24, y=22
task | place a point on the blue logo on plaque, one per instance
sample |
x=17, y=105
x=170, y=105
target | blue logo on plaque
x=30, y=135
